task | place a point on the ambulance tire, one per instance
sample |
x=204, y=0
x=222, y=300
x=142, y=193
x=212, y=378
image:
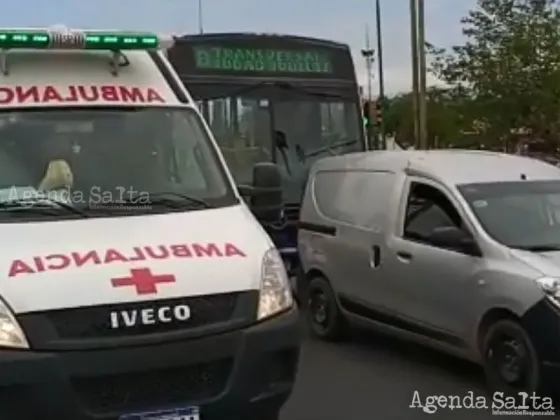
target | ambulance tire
x=510, y=361
x=323, y=314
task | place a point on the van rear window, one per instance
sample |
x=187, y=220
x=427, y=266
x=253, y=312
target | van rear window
x=336, y=195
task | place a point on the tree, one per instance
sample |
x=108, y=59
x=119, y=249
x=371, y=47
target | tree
x=445, y=113
x=509, y=66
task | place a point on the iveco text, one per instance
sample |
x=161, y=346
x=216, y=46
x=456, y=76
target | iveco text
x=150, y=316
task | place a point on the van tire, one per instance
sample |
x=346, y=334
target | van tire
x=272, y=416
x=510, y=360
x=323, y=314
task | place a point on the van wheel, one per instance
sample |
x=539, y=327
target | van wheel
x=510, y=361
x=323, y=313
x=275, y=415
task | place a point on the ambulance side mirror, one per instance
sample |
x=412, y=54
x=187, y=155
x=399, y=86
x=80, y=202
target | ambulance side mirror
x=265, y=195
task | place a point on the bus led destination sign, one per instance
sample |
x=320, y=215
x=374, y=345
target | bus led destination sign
x=262, y=60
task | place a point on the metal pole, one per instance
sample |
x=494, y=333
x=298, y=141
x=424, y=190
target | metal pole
x=368, y=53
x=414, y=55
x=369, y=87
x=380, y=75
x=422, y=105
x=205, y=104
x=372, y=142
x=200, y=18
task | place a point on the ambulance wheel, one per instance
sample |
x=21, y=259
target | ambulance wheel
x=324, y=317
x=510, y=361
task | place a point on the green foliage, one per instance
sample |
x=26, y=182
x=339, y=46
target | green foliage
x=445, y=111
x=509, y=66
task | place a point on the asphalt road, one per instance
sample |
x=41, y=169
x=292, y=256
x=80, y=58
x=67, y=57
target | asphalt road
x=374, y=377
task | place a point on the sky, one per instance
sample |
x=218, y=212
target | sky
x=343, y=21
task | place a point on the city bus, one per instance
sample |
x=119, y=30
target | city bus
x=286, y=99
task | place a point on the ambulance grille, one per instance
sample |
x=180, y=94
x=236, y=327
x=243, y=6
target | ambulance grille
x=95, y=322
x=153, y=388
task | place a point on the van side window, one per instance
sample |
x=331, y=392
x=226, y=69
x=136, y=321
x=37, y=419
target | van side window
x=428, y=208
x=335, y=193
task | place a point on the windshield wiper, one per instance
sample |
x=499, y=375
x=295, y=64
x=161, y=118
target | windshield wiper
x=330, y=147
x=40, y=205
x=182, y=200
x=539, y=248
x=163, y=199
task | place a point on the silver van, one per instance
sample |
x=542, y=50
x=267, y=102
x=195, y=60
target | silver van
x=458, y=250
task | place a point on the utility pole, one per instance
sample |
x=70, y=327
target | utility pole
x=205, y=105
x=200, y=18
x=381, y=99
x=422, y=106
x=415, y=70
x=368, y=54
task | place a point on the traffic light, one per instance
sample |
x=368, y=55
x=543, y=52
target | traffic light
x=366, y=113
x=378, y=112
x=371, y=112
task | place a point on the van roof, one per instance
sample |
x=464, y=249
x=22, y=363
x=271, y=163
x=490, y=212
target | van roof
x=449, y=166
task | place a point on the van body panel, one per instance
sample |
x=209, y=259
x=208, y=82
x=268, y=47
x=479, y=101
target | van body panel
x=410, y=287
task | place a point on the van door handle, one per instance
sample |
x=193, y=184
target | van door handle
x=375, y=258
x=404, y=256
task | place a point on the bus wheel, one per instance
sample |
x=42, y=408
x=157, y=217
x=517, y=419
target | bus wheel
x=511, y=363
x=324, y=317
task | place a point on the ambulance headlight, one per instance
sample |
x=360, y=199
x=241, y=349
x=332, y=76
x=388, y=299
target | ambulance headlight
x=11, y=334
x=275, y=291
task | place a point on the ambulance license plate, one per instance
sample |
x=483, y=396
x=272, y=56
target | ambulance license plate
x=188, y=413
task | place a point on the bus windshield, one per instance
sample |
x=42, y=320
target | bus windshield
x=277, y=98
x=305, y=130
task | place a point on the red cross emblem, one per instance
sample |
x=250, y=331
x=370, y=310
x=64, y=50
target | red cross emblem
x=144, y=281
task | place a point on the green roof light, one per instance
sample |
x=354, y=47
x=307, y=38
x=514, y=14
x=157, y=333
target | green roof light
x=68, y=39
x=24, y=39
x=112, y=41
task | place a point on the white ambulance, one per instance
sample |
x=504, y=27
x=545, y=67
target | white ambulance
x=137, y=282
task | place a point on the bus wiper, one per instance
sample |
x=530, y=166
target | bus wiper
x=329, y=147
x=165, y=199
x=40, y=205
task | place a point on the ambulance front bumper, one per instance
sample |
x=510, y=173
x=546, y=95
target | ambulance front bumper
x=242, y=374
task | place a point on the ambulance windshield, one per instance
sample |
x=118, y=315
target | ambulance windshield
x=106, y=157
